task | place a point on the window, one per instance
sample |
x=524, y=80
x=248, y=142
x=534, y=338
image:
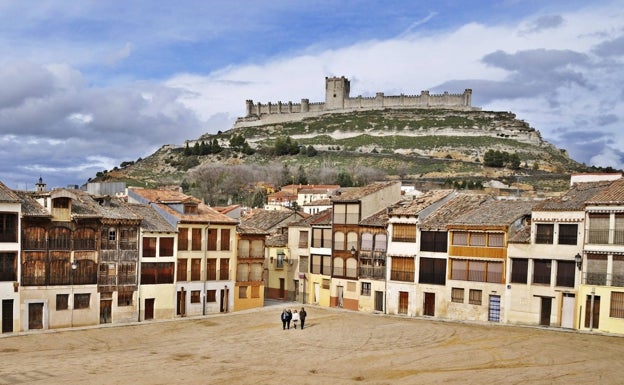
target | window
x=190, y=208
x=303, y=239
x=196, y=243
x=544, y=233
x=242, y=292
x=457, y=294
x=211, y=296
x=112, y=235
x=225, y=239
x=124, y=298
x=8, y=227
x=598, y=229
x=568, y=234
x=460, y=238
x=496, y=239
x=81, y=301
x=616, y=309
x=62, y=301
x=195, y=296
x=366, y=241
x=474, y=297
x=156, y=273
x=565, y=273
x=59, y=238
x=181, y=270
x=212, y=239
x=435, y=241
x=366, y=288
x=195, y=269
x=477, y=271
x=596, y=269
x=211, y=269
x=165, y=247
x=432, y=270
x=128, y=239
x=255, y=292
x=339, y=240
x=321, y=238
x=183, y=239
x=8, y=267
x=519, y=270
x=402, y=269
x=346, y=213
x=257, y=248
x=224, y=268
x=325, y=283
x=352, y=240
x=380, y=242
x=84, y=239
x=404, y=232
x=541, y=271
x=149, y=247
x=477, y=239
x=243, y=248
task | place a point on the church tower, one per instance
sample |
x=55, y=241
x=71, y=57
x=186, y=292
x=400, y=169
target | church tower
x=336, y=92
x=40, y=186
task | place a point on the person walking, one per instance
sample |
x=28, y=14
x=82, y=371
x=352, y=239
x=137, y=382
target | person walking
x=295, y=318
x=284, y=318
x=288, y=318
x=302, y=317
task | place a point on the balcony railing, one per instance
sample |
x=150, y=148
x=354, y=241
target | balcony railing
x=605, y=236
x=405, y=276
x=372, y=272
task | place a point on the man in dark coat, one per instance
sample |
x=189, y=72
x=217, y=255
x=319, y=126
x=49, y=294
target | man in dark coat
x=302, y=317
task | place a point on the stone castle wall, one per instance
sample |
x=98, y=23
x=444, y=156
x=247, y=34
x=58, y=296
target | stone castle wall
x=337, y=99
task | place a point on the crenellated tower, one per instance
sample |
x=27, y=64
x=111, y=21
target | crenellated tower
x=336, y=92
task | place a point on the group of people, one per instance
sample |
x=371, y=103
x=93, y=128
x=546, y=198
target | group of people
x=293, y=316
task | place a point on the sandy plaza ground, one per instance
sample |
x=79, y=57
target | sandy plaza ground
x=336, y=347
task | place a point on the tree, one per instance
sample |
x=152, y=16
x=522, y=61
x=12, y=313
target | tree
x=301, y=175
x=344, y=179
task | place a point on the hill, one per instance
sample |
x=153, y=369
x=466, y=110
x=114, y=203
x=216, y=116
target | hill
x=433, y=145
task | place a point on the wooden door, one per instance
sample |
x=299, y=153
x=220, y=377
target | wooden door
x=545, y=311
x=7, y=316
x=429, y=305
x=149, y=308
x=282, y=288
x=592, y=317
x=106, y=309
x=181, y=303
x=403, y=302
x=340, y=296
x=35, y=316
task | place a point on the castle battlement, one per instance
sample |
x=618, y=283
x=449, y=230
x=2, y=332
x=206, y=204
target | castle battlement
x=337, y=99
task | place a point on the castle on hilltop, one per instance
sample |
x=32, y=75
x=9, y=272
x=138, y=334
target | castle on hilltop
x=337, y=99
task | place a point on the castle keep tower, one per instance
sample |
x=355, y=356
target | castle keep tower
x=336, y=92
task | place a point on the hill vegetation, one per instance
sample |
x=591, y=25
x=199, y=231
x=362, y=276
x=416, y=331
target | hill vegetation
x=441, y=147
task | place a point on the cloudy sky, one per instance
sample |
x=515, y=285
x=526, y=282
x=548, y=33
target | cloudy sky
x=86, y=85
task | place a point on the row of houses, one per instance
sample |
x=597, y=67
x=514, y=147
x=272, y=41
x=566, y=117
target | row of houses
x=72, y=258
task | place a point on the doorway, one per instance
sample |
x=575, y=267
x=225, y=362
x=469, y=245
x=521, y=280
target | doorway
x=567, y=310
x=317, y=292
x=592, y=317
x=379, y=301
x=282, y=288
x=429, y=305
x=340, y=296
x=403, y=302
x=181, y=303
x=35, y=315
x=545, y=311
x=7, y=315
x=106, y=306
x=494, y=309
x=149, y=308
x=224, y=300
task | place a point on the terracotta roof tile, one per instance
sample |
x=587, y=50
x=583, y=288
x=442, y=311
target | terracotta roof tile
x=495, y=213
x=574, y=199
x=350, y=194
x=462, y=203
x=613, y=194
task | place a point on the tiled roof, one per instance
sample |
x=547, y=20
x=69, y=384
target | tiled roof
x=89, y=206
x=151, y=221
x=462, y=203
x=494, y=213
x=575, y=198
x=379, y=219
x=521, y=236
x=353, y=194
x=30, y=207
x=613, y=194
x=319, y=219
x=165, y=198
x=244, y=228
x=269, y=219
x=411, y=207
x=319, y=202
x=277, y=240
x=6, y=195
